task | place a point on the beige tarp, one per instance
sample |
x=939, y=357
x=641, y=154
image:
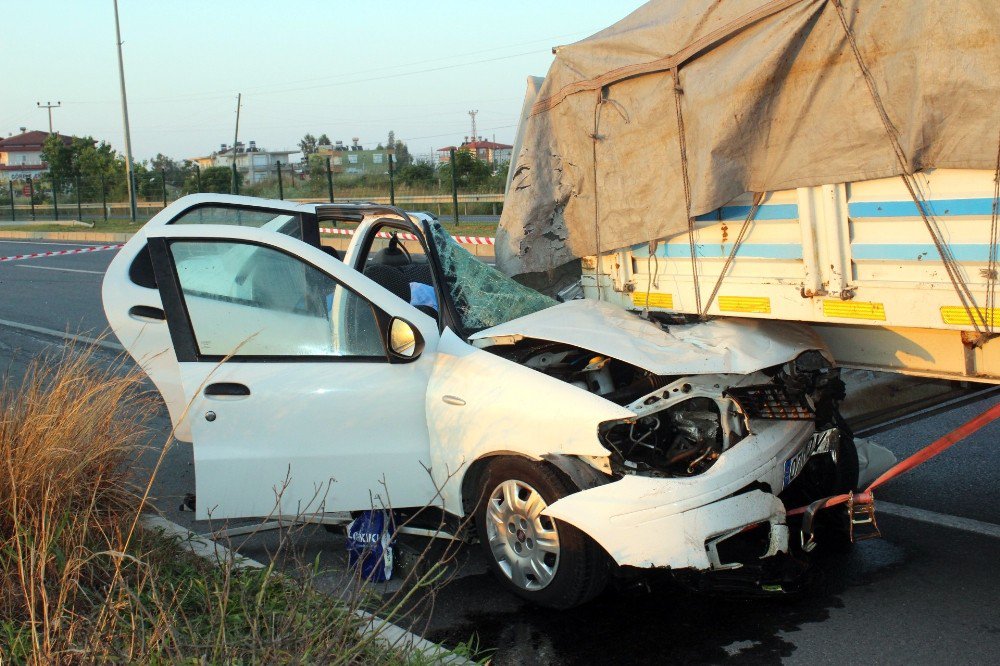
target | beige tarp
x=771, y=97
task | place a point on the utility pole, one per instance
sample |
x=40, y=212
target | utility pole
x=49, y=106
x=392, y=179
x=129, y=173
x=472, y=114
x=236, y=137
x=454, y=184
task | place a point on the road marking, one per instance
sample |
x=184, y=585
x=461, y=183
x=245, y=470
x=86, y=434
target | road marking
x=113, y=346
x=41, y=242
x=60, y=253
x=941, y=519
x=68, y=270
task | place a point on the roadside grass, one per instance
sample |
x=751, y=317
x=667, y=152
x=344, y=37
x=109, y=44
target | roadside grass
x=82, y=582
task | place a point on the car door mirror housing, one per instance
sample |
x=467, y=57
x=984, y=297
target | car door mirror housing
x=405, y=341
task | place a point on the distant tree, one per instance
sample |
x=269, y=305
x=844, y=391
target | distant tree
x=217, y=179
x=324, y=140
x=469, y=170
x=308, y=145
x=403, y=157
x=176, y=172
x=63, y=159
x=420, y=172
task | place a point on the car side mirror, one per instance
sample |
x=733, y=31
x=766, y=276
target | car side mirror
x=405, y=341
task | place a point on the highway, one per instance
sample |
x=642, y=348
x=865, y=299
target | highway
x=925, y=593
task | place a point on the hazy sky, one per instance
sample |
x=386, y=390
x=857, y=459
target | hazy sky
x=344, y=68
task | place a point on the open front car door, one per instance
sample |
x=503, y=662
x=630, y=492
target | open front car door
x=297, y=372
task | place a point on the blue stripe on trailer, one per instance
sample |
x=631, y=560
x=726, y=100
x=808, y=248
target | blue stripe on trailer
x=722, y=250
x=919, y=252
x=936, y=207
x=765, y=212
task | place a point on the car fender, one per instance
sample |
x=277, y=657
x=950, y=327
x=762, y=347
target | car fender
x=479, y=405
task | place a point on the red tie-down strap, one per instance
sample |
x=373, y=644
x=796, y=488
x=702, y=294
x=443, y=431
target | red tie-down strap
x=864, y=498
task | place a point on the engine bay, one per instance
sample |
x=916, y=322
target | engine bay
x=684, y=424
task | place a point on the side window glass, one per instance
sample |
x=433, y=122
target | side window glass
x=248, y=300
x=140, y=271
x=283, y=223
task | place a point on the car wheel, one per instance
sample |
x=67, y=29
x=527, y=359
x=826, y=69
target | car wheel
x=833, y=476
x=547, y=562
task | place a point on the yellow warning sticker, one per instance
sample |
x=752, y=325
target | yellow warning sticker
x=655, y=300
x=760, y=304
x=854, y=310
x=959, y=316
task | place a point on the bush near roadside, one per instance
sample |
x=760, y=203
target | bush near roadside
x=82, y=582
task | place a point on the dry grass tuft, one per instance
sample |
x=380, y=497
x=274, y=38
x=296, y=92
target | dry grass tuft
x=81, y=584
x=67, y=434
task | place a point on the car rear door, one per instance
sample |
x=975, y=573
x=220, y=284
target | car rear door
x=295, y=403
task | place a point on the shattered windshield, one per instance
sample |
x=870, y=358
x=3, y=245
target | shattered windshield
x=483, y=296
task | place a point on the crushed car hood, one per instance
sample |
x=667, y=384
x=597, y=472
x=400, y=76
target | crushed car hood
x=722, y=346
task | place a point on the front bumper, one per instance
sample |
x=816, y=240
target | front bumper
x=678, y=522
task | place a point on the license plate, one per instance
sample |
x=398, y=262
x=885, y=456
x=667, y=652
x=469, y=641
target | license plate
x=798, y=460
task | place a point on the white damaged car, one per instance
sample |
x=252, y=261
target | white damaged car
x=581, y=439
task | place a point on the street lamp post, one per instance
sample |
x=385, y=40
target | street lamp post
x=129, y=173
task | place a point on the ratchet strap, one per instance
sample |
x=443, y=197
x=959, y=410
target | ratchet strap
x=861, y=505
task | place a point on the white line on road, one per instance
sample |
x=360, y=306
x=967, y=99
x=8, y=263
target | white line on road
x=68, y=270
x=941, y=519
x=113, y=346
x=43, y=242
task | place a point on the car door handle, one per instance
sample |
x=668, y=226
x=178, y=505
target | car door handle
x=224, y=390
x=147, y=313
x=453, y=400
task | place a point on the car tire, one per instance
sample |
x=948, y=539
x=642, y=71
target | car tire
x=544, y=561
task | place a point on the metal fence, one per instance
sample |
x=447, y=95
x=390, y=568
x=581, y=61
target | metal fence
x=92, y=198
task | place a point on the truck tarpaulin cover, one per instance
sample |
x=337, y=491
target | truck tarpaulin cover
x=771, y=96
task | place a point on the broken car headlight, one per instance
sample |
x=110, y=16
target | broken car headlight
x=684, y=439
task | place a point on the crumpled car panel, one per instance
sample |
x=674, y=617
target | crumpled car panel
x=723, y=346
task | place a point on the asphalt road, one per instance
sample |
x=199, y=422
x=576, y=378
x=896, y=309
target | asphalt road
x=925, y=593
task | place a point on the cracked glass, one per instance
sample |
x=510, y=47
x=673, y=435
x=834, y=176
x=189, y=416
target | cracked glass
x=483, y=296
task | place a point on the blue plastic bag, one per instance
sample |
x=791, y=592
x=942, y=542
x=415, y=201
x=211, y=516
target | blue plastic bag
x=369, y=545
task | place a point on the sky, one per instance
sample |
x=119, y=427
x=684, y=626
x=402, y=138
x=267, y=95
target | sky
x=346, y=69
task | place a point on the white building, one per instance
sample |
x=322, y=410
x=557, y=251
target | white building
x=21, y=155
x=256, y=164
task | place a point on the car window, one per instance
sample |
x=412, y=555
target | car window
x=483, y=296
x=283, y=223
x=248, y=300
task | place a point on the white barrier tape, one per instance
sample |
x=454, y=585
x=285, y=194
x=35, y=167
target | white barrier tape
x=464, y=240
x=38, y=255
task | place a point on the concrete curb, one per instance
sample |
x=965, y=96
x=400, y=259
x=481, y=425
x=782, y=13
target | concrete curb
x=387, y=633
x=76, y=236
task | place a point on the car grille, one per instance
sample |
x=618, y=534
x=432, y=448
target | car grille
x=768, y=401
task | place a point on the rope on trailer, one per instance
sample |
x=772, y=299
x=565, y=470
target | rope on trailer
x=682, y=141
x=595, y=137
x=758, y=197
x=991, y=269
x=951, y=265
